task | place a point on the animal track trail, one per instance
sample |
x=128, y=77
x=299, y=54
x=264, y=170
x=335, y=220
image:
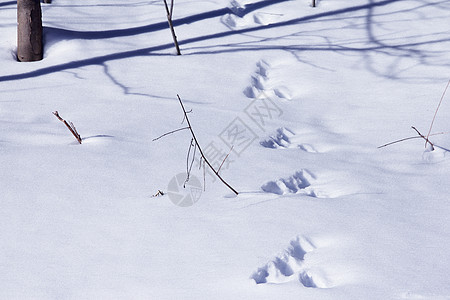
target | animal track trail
x=291, y=265
x=237, y=8
x=263, y=84
x=304, y=182
x=239, y=18
x=298, y=182
x=286, y=138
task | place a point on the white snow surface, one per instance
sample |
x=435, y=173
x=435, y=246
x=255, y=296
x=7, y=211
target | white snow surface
x=304, y=95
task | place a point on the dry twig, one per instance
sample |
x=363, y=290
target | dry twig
x=200, y=149
x=420, y=135
x=408, y=138
x=220, y=167
x=435, y=113
x=424, y=137
x=167, y=133
x=70, y=126
x=159, y=193
x=195, y=144
x=169, y=12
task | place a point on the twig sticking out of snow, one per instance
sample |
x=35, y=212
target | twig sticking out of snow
x=420, y=136
x=427, y=141
x=405, y=139
x=200, y=149
x=169, y=12
x=195, y=144
x=70, y=126
x=159, y=193
x=435, y=113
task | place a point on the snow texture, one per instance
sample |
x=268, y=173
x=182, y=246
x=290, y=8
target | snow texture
x=299, y=98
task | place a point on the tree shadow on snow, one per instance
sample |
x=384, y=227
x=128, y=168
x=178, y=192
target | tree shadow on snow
x=370, y=46
x=107, y=34
x=7, y=3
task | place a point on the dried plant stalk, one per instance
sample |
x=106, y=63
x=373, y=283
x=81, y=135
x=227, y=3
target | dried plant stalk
x=205, y=160
x=435, y=113
x=195, y=146
x=70, y=126
x=169, y=12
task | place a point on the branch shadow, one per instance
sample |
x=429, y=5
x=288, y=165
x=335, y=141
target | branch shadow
x=442, y=148
x=7, y=3
x=90, y=35
x=371, y=44
x=372, y=47
x=97, y=136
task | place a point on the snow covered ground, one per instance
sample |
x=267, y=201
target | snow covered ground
x=304, y=95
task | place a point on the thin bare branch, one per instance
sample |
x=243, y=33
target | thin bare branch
x=200, y=163
x=169, y=20
x=220, y=167
x=70, y=126
x=171, y=8
x=193, y=158
x=73, y=128
x=200, y=149
x=170, y=132
x=405, y=139
x=424, y=137
x=167, y=8
x=398, y=141
x=191, y=163
x=159, y=193
x=184, y=118
x=435, y=113
x=204, y=176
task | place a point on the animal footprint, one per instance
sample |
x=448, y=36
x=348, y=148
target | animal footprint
x=238, y=17
x=283, y=92
x=290, y=265
x=264, y=18
x=298, y=182
x=263, y=84
x=286, y=138
x=233, y=21
x=282, y=139
x=237, y=8
x=262, y=68
x=314, y=279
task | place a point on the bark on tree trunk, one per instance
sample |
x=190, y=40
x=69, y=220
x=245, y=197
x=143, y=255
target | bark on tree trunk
x=29, y=30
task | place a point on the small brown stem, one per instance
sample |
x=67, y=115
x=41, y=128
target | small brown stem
x=408, y=138
x=70, y=126
x=218, y=170
x=424, y=137
x=435, y=113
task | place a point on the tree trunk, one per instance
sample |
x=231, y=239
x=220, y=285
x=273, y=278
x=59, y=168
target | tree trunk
x=29, y=30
